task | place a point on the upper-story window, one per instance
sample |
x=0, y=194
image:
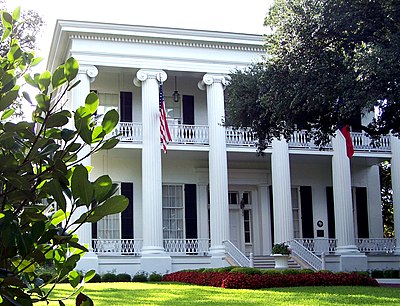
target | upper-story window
x=107, y=101
x=174, y=110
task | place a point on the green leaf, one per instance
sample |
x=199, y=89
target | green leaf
x=74, y=278
x=16, y=14
x=27, y=97
x=58, y=217
x=67, y=134
x=58, y=119
x=92, y=102
x=102, y=187
x=56, y=191
x=8, y=98
x=58, y=77
x=110, y=120
x=97, y=134
x=71, y=69
x=83, y=300
x=82, y=189
x=89, y=275
x=111, y=206
x=44, y=81
x=109, y=144
x=7, y=113
x=7, y=24
x=43, y=102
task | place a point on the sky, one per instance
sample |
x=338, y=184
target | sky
x=218, y=15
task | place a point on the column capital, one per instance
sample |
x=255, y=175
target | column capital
x=146, y=74
x=90, y=70
x=209, y=79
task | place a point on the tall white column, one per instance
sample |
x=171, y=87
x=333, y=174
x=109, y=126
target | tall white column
x=266, y=236
x=151, y=162
x=218, y=167
x=281, y=191
x=86, y=75
x=395, y=171
x=342, y=196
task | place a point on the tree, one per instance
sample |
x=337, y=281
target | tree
x=43, y=184
x=387, y=199
x=326, y=63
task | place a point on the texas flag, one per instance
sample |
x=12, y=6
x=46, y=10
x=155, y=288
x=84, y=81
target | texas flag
x=345, y=130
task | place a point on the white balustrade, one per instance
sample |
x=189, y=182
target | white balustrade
x=237, y=255
x=376, y=245
x=117, y=246
x=198, y=134
x=318, y=245
x=299, y=250
x=187, y=246
x=363, y=143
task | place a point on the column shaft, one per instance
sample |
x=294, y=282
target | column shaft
x=151, y=163
x=281, y=191
x=395, y=172
x=342, y=196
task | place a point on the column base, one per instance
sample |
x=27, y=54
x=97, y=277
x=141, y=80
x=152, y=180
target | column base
x=347, y=249
x=150, y=250
x=217, y=251
x=159, y=263
x=89, y=261
x=353, y=262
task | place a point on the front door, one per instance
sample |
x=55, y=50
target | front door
x=240, y=218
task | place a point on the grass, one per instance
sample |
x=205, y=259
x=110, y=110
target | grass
x=171, y=294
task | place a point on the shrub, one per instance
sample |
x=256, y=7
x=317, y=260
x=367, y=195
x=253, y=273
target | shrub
x=245, y=270
x=109, y=277
x=155, y=277
x=123, y=277
x=140, y=276
x=281, y=248
x=95, y=279
x=377, y=273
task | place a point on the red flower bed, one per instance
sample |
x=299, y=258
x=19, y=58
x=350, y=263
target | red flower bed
x=237, y=280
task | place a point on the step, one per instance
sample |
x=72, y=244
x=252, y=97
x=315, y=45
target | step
x=268, y=262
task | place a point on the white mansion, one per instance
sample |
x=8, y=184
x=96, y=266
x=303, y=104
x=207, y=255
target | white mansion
x=211, y=201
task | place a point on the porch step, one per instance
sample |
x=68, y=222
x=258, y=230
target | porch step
x=268, y=262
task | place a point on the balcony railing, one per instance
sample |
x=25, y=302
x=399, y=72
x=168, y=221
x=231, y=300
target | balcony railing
x=183, y=134
x=365, y=245
x=134, y=246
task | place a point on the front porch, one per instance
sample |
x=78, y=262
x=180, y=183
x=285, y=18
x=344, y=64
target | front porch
x=316, y=253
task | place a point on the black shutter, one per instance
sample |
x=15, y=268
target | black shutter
x=188, y=110
x=190, y=211
x=331, y=212
x=125, y=106
x=127, y=214
x=307, y=221
x=362, y=212
x=271, y=207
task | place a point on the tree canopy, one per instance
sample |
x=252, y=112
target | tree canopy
x=326, y=63
x=45, y=190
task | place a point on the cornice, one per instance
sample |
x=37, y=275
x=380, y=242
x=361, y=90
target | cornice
x=167, y=42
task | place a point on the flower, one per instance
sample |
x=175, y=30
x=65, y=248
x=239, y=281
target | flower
x=281, y=248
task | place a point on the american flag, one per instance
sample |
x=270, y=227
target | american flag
x=165, y=136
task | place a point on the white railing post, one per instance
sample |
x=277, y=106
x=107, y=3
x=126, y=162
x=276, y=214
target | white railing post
x=251, y=260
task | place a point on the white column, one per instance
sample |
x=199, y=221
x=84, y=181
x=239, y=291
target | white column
x=395, y=171
x=86, y=75
x=266, y=235
x=218, y=167
x=151, y=162
x=281, y=191
x=342, y=196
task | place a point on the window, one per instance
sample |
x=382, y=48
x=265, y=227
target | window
x=173, y=212
x=173, y=109
x=296, y=213
x=109, y=227
x=247, y=225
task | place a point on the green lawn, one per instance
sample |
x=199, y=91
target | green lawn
x=112, y=294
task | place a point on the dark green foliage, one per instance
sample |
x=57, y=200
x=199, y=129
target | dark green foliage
x=280, y=248
x=155, y=277
x=327, y=62
x=96, y=279
x=140, y=276
x=226, y=269
x=124, y=277
x=246, y=270
x=41, y=171
x=109, y=278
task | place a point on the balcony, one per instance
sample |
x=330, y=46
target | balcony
x=131, y=132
